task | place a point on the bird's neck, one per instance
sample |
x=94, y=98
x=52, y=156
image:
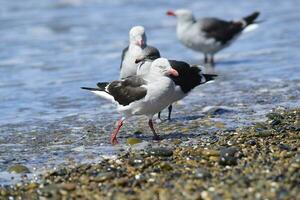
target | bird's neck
x=183, y=25
x=134, y=49
x=133, y=45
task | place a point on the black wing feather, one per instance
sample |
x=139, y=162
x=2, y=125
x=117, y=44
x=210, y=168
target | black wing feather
x=123, y=55
x=189, y=76
x=127, y=90
x=222, y=31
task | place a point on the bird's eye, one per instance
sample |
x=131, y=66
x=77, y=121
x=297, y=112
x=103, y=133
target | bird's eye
x=161, y=67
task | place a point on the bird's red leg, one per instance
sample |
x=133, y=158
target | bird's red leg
x=150, y=123
x=113, y=139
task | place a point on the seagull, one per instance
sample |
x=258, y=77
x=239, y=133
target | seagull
x=141, y=94
x=190, y=76
x=209, y=35
x=136, y=49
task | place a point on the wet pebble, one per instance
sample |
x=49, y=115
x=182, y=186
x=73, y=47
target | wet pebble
x=165, y=166
x=160, y=151
x=101, y=177
x=229, y=156
x=209, y=139
x=202, y=173
x=210, y=152
x=132, y=141
x=32, y=186
x=251, y=142
x=68, y=186
x=59, y=172
x=217, y=111
x=50, y=191
x=18, y=169
x=284, y=147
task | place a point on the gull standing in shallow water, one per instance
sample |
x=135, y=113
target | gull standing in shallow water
x=209, y=35
x=137, y=47
x=189, y=77
x=140, y=95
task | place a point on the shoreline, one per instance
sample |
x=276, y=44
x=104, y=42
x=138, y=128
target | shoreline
x=261, y=161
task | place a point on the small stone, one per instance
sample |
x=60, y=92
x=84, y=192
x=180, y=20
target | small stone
x=138, y=133
x=32, y=186
x=284, y=147
x=214, y=158
x=132, y=141
x=202, y=173
x=251, y=142
x=3, y=192
x=205, y=195
x=104, y=177
x=229, y=156
x=209, y=152
x=18, y=169
x=59, y=172
x=68, y=186
x=84, y=179
x=160, y=151
x=49, y=191
x=165, y=166
x=265, y=133
x=217, y=111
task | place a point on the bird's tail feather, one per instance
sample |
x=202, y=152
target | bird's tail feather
x=91, y=89
x=209, y=77
x=250, y=19
x=100, y=91
x=100, y=87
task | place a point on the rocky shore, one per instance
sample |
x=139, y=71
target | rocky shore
x=257, y=162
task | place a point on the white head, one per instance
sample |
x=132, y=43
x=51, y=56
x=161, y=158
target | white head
x=162, y=66
x=137, y=36
x=182, y=14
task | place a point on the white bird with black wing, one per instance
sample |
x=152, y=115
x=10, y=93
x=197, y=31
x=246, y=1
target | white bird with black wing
x=189, y=76
x=145, y=94
x=209, y=35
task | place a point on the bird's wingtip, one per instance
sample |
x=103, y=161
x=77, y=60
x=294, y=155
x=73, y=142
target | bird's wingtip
x=88, y=88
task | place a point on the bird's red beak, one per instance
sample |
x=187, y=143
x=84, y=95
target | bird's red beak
x=173, y=72
x=171, y=13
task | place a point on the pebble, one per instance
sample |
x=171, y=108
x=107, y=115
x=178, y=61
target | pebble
x=18, y=169
x=228, y=156
x=132, y=141
x=217, y=111
x=160, y=151
x=209, y=152
x=68, y=186
x=251, y=142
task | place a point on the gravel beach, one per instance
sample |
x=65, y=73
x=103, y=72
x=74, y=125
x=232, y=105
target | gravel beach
x=256, y=162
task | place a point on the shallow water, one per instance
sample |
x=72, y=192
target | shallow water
x=50, y=48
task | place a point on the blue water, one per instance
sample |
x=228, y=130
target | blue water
x=50, y=48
